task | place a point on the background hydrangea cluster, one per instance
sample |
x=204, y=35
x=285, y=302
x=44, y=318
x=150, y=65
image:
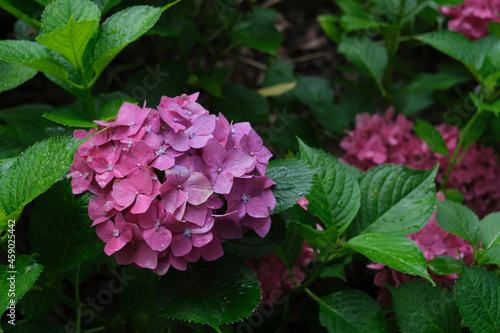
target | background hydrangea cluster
x=383, y=139
x=472, y=17
x=161, y=178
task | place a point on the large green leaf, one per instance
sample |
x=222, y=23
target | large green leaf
x=34, y=171
x=458, y=47
x=290, y=249
x=68, y=239
x=431, y=136
x=293, y=180
x=212, y=293
x=33, y=55
x=58, y=13
x=27, y=10
x=68, y=117
x=477, y=293
x=395, y=199
x=71, y=40
x=422, y=308
x=459, y=220
x=256, y=30
x=351, y=311
x=252, y=245
x=444, y=265
x=13, y=75
x=24, y=272
x=335, y=194
x=490, y=230
x=121, y=29
x=398, y=252
x=369, y=56
x=435, y=81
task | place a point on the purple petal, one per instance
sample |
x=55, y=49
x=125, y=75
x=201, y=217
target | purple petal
x=214, y=154
x=202, y=239
x=212, y=250
x=257, y=207
x=198, y=188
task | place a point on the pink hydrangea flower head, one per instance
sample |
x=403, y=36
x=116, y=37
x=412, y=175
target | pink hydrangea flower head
x=165, y=181
x=471, y=18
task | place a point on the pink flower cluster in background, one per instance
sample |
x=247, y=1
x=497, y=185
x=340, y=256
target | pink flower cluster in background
x=273, y=275
x=160, y=176
x=383, y=139
x=472, y=17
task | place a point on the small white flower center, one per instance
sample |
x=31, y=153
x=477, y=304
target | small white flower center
x=187, y=232
x=131, y=124
x=157, y=225
x=191, y=135
x=116, y=233
x=245, y=197
x=219, y=170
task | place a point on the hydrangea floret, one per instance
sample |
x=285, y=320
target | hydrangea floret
x=471, y=18
x=172, y=183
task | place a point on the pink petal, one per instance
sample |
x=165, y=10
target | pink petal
x=198, y=188
x=114, y=244
x=181, y=245
x=257, y=207
x=212, y=250
x=201, y=239
x=124, y=192
x=142, y=204
x=105, y=231
x=146, y=257
x=159, y=239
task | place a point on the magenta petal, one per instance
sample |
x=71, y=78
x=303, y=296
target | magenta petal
x=159, y=239
x=178, y=141
x=196, y=214
x=126, y=255
x=146, y=257
x=199, y=141
x=263, y=230
x=177, y=263
x=141, y=204
x=237, y=163
x=105, y=231
x=181, y=245
x=204, y=125
x=123, y=192
x=223, y=183
x=162, y=266
x=257, y=207
x=201, y=239
x=214, y=153
x=198, y=188
x=212, y=250
x=114, y=244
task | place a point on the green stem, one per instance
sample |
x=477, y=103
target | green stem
x=87, y=89
x=77, y=299
x=392, y=54
x=316, y=298
x=453, y=160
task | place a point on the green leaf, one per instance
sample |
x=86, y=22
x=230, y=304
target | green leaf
x=14, y=75
x=412, y=102
x=431, y=136
x=476, y=127
x=458, y=220
x=395, y=199
x=351, y=311
x=323, y=240
x=5, y=164
x=109, y=110
x=398, y=252
x=350, y=22
x=33, y=55
x=490, y=230
x=213, y=293
x=121, y=29
x=139, y=294
x=71, y=40
x=369, y=56
x=252, y=106
x=293, y=180
x=290, y=249
x=444, y=265
x=67, y=240
x=36, y=304
x=421, y=308
x=457, y=46
x=252, y=245
x=67, y=117
x=336, y=269
x=453, y=195
x=256, y=30
x=58, y=13
x=42, y=164
x=493, y=107
x=105, y=5
x=492, y=255
x=448, y=2
x=25, y=273
x=317, y=94
x=335, y=194
x=477, y=293
x=435, y=81
x=329, y=25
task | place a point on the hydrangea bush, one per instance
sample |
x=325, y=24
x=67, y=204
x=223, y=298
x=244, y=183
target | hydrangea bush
x=118, y=215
